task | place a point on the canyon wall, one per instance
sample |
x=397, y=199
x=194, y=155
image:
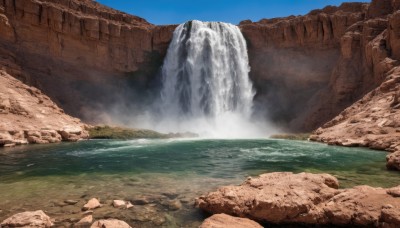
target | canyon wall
x=29, y=116
x=307, y=69
x=374, y=120
x=91, y=59
x=85, y=56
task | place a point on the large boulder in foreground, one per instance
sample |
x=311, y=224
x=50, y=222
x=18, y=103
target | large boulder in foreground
x=28, y=219
x=29, y=116
x=304, y=198
x=274, y=197
x=224, y=220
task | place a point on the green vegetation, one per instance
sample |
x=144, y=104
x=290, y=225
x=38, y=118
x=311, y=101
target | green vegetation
x=298, y=136
x=107, y=132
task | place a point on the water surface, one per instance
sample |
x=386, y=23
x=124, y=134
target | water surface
x=168, y=174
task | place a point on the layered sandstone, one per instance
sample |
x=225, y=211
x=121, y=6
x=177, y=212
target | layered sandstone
x=374, y=120
x=323, y=61
x=304, y=198
x=102, y=65
x=85, y=56
x=29, y=116
x=107, y=61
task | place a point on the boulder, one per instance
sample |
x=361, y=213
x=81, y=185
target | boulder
x=273, y=197
x=224, y=220
x=119, y=203
x=84, y=222
x=110, y=223
x=28, y=219
x=304, y=198
x=91, y=204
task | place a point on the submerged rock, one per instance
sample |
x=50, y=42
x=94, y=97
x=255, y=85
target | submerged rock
x=28, y=219
x=172, y=205
x=110, y=223
x=84, y=222
x=119, y=203
x=224, y=220
x=129, y=205
x=91, y=204
x=304, y=198
x=71, y=202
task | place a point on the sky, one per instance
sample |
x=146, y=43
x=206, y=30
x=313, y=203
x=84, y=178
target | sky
x=162, y=12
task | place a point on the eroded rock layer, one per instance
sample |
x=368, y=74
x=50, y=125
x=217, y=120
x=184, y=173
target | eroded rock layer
x=304, y=198
x=29, y=116
x=374, y=120
x=85, y=56
x=307, y=69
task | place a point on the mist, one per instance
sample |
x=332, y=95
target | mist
x=202, y=87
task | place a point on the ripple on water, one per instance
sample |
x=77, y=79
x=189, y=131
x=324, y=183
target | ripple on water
x=141, y=168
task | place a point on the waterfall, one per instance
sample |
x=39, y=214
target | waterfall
x=205, y=81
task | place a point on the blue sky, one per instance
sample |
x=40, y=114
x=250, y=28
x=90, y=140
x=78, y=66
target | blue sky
x=178, y=11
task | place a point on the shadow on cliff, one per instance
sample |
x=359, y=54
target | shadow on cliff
x=288, y=81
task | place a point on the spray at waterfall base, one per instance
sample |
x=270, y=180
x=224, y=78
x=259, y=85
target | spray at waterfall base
x=205, y=83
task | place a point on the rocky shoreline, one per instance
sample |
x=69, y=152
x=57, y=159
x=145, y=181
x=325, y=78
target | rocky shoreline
x=304, y=198
x=280, y=198
x=371, y=122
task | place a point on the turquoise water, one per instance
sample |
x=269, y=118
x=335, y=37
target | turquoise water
x=165, y=172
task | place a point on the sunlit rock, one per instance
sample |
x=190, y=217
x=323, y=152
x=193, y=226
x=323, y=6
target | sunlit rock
x=224, y=220
x=110, y=223
x=28, y=219
x=305, y=198
x=91, y=204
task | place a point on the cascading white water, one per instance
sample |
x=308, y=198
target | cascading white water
x=206, y=86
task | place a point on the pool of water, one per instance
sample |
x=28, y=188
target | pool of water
x=163, y=177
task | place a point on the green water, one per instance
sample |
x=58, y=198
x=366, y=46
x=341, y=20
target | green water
x=164, y=172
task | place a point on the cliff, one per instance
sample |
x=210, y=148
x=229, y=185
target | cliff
x=83, y=55
x=374, y=120
x=101, y=65
x=28, y=116
x=307, y=69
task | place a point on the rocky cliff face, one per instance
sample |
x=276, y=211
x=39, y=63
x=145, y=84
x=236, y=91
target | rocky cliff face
x=28, y=116
x=374, y=120
x=83, y=55
x=91, y=59
x=318, y=64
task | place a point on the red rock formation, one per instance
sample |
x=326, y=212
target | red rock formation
x=373, y=121
x=304, y=198
x=306, y=69
x=78, y=52
x=28, y=219
x=28, y=116
x=323, y=61
x=298, y=57
x=224, y=220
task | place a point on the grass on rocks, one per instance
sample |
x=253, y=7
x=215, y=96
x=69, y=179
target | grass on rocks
x=108, y=132
x=299, y=136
